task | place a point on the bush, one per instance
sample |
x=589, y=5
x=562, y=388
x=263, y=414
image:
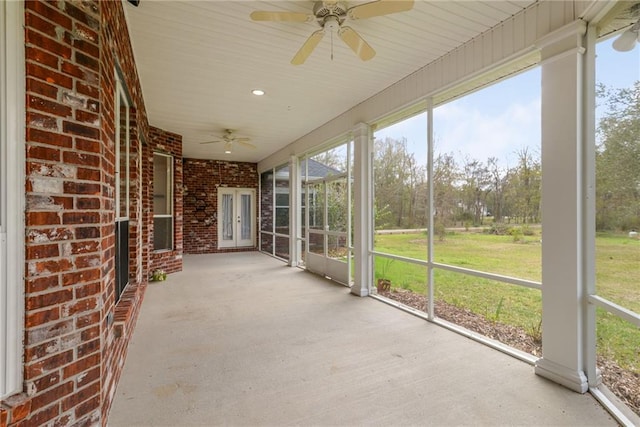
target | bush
x=499, y=229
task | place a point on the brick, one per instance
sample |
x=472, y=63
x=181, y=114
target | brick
x=88, y=348
x=84, y=159
x=49, y=235
x=44, y=383
x=85, y=33
x=88, y=90
x=43, y=218
x=81, y=306
x=43, y=399
x=73, y=70
x=72, y=187
x=87, y=203
x=41, y=88
x=35, y=119
x=37, y=22
x=44, y=185
x=52, y=170
x=39, y=318
x=42, y=57
x=88, y=320
x=90, y=333
x=43, y=251
x=87, y=233
x=87, y=61
x=81, y=365
x=81, y=395
x=87, y=47
x=42, y=350
x=50, y=138
x=42, y=284
x=51, y=13
x=83, y=16
x=48, y=75
x=48, y=106
x=63, y=203
x=85, y=247
x=87, y=407
x=34, y=370
x=81, y=130
x=36, y=38
x=87, y=289
x=89, y=174
x=88, y=377
x=87, y=117
x=80, y=217
x=38, y=268
x=77, y=277
x=88, y=145
x=49, y=299
x=41, y=418
x=20, y=405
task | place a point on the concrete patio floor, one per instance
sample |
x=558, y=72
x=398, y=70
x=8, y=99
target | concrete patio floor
x=242, y=339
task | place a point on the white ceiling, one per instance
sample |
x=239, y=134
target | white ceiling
x=199, y=60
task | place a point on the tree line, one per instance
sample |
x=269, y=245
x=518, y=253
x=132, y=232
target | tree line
x=466, y=192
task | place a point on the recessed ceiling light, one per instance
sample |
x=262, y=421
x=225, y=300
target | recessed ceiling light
x=257, y=92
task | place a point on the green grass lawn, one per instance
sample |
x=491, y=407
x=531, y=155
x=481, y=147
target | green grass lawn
x=617, y=275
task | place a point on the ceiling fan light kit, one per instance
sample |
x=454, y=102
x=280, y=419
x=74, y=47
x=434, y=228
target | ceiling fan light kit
x=330, y=16
x=229, y=139
x=627, y=40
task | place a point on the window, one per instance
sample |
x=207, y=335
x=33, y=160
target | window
x=162, y=202
x=11, y=196
x=122, y=188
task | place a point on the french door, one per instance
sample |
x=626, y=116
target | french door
x=236, y=217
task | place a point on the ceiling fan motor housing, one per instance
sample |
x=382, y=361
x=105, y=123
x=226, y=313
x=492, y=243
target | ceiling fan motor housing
x=327, y=11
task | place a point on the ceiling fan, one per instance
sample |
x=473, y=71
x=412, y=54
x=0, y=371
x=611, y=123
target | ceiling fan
x=330, y=15
x=228, y=138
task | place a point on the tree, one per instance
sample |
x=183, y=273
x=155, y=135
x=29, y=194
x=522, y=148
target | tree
x=398, y=176
x=445, y=191
x=475, y=189
x=525, y=182
x=498, y=182
x=618, y=160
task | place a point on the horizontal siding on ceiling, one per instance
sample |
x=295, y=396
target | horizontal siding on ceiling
x=515, y=37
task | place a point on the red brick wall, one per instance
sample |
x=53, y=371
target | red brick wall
x=202, y=178
x=76, y=335
x=168, y=143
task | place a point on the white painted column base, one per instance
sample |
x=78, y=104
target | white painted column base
x=573, y=380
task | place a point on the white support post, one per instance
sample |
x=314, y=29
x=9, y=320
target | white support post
x=363, y=210
x=563, y=287
x=295, y=245
x=589, y=210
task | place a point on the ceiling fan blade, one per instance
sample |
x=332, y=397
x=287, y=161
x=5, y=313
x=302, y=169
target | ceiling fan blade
x=211, y=142
x=356, y=43
x=261, y=15
x=379, y=8
x=307, y=48
x=246, y=143
x=242, y=140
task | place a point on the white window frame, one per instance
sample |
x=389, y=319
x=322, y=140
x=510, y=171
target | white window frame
x=169, y=192
x=12, y=198
x=121, y=95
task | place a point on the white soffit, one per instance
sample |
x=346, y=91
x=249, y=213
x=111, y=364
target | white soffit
x=199, y=60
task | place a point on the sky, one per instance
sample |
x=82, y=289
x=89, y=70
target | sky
x=500, y=120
